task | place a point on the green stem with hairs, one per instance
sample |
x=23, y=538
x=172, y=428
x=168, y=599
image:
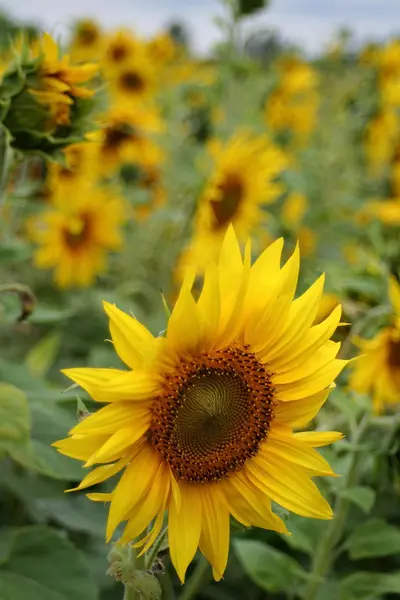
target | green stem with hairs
x=136, y=563
x=325, y=553
x=199, y=577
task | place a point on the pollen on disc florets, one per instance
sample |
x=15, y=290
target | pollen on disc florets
x=214, y=412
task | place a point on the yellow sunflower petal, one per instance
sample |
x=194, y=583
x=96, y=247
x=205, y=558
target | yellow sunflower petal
x=301, y=316
x=215, y=529
x=316, y=337
x=312, y=384
x=119, y=442
x=130, y=338
x=209, y=306
x=133, y=486
x=298, y=413
x=321, y=358
x=100, y=474
x=184, y=527
x=317, y=439
x=110, y=385
x=291, y=449
x=142, y=514
x=248, y=506
x=113, y=416
x=81, y=447
x=100, y=497
x=184, y=327
x=288, y=485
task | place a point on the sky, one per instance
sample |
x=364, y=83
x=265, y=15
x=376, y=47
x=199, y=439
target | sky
x=309, y=23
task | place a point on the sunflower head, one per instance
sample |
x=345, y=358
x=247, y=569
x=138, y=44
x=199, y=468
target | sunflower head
x=243, y=180
x=201, y=422
x=87, y=41
x=133, y=80
x=120, y=47
x=75, y=235
x=377, y=371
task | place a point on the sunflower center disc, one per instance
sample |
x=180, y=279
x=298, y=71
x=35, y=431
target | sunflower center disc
x=394, y=354
x=215, y=412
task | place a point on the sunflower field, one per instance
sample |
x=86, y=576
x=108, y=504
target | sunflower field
x=199, y=316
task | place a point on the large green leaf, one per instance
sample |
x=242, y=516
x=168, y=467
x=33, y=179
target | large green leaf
x=270, y=569
x=361, y=585
x=43, y=560
x=14, y=420
x=374, y=538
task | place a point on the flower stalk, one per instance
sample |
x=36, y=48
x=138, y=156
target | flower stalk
x=325, y=553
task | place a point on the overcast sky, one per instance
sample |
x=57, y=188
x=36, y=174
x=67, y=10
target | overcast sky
x=310, y=23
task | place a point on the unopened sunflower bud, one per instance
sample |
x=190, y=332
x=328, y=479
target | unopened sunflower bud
x=26, y=297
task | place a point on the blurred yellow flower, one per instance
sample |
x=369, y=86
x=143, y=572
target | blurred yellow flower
x=378, y=369
x=294, y=209
x=76, y=234
x=125, y=135
x=308, y=240
x=245, y=170
x=387, y=211
x=87, y=41
x=120, y=47
x=133, y=81
x=381, y=136
x=201, y=424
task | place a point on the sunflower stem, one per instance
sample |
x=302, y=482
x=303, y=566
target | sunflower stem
x=199, y=577
x=325, y=554
x=136, y=562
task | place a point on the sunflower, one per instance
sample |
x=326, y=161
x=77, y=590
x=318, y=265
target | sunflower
x=381, y=135
x=387, y=211
x=76, y=234
x=125, y=135
x=134, y=80
x=378, y=369
x=120, y=47
x=79, y=162
x=58, y=82
x=245, y=169
x=87, y=41
x=202, y=421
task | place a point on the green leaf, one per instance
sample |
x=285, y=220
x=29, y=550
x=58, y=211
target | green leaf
x=14, y=420
x=361, y=496
x=374, y=538
x=44, y=561
x=270, y=569
x=43, y=354
x=247, y=7
x=17, y=587
x=363, y=585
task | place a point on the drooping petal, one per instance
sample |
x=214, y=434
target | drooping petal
x=119, y=442
x=142, y=513
x=100, y=474
x=133, y=486
x=184, y=526
x=215, y=529
x=247, y=505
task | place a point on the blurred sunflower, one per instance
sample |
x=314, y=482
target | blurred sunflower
x=125, y=135
x=58, y=82
x=133, y=81
x=245, y=170
x=387, y=211
x=378, y=369
x=87, y=41
x=76, y=234
x=120, y=47
x=202, y=422
x=79, y=162
x=162, y=49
